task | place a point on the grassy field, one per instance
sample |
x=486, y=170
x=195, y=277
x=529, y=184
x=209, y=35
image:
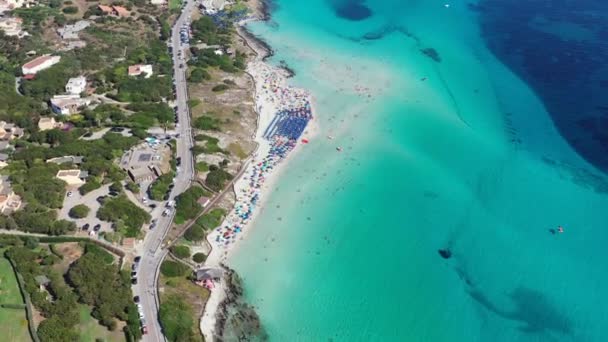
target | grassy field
x=175, y=4
x=91, y=330
x=193, y=294
x=12, y=321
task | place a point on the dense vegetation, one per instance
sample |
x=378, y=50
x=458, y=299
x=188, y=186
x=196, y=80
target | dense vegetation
x=209, y=221
x=217, y=178
x=160, y=187
x=171, y=269
x=126, y=216
x=176, y=319
x=60, y=313
x=186, y=205
x=95, y=280
x=100, y=284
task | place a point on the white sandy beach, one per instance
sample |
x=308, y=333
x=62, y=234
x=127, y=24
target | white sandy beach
x=272, y=94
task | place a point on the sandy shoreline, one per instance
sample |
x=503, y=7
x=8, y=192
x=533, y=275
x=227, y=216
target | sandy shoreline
x=272, y=94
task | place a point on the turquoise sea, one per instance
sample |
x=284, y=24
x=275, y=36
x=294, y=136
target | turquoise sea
x=448, y=143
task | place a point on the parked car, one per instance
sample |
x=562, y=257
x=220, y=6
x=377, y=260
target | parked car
x=70, y=194
x=144, y=330
x=134, y=274
x=100, y=199
x=113, y=193
x=137, y=258
x=136, y=299
x=97, y=227
x=134, y=281
x=152, y=206
x=86, y=226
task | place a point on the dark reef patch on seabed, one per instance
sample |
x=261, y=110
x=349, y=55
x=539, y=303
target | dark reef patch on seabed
x=354, y=10
x=530, y=307
x=559, y=48
x=432, y=54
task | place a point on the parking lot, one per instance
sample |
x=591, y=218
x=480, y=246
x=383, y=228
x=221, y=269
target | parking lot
x=90, y=200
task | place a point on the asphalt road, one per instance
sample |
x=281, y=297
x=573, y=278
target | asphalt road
x=153, y=253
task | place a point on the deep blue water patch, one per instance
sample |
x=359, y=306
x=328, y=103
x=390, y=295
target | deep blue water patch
x=354, y=10
x=560, y=48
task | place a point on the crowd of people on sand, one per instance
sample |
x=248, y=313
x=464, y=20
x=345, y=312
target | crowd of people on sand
x=292, y=113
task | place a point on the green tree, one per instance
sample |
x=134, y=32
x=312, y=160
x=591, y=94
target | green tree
x=79, y=211
x=181, y=251
x=199, y=257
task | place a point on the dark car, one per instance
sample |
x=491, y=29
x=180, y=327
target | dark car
x=134, y=281
x=166, y=197
x=88, y=134
x=137, y=258
x=136, y=299
x=86, y=226
x=178, y=161
x=144, y=330
x=134, y=274
x=116, y=129
x=113, y=193
x=97, y=227
x=152, y=206
x=100, y=199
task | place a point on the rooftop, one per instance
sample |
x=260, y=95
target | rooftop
x=37, y=61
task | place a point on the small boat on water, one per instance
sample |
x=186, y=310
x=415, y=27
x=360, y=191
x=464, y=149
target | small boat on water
x=339, y=149
x=330, y=137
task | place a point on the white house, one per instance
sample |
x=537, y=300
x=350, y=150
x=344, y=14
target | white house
x=73, y=177
x=138, y=69
x=158, y=2
x=39, y=63
x=76, y=85
x=68, y=104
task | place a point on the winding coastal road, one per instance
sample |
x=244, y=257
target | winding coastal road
x=153, y=251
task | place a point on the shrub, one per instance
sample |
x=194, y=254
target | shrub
x=116, y=186
x=211, y=219
x=195, y=233
x=186, y=205
x=199, y=257
x=181, y=251
x=79, y=211
x=133, y=187
x=90, y=185
x=70, y=10
x=171, y=269
x=198, y=75
x=202, y=167
x=219, y=87
x=216, y=179
x=206, y=123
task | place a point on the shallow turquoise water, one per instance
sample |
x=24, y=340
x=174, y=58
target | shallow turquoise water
x=468, y=158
